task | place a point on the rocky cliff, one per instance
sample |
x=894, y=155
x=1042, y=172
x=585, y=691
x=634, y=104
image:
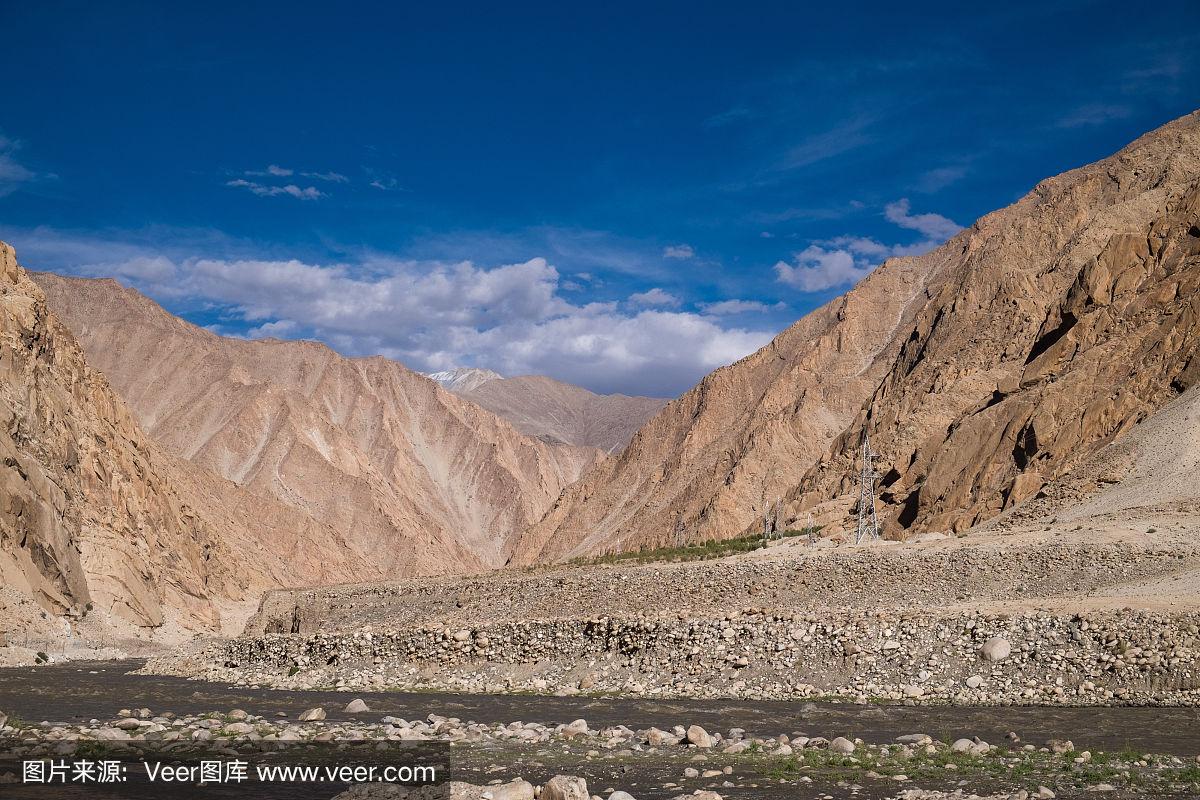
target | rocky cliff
x=89, y=516
x=981, y=370
x=413, y=478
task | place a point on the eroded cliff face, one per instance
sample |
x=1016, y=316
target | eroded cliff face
x=710, y=463
x=88, y=515
x=981, y=370
x=411, y=478
x=1069, y=318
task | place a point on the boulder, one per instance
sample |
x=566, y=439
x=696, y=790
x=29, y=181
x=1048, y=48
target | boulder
x=356, y=706
x=699, y=737
x=565, y=787
x=842, y=745
x=995, y=649
x=312, y=715
x=577, y=728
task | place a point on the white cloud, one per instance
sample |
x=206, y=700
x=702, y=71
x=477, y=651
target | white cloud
x=935, y=180
x=653, y=297
x=428, y=315
x=272, y=171
x=680, y=251
x=280, y=329
x=12, y=173
x=725, y=308
x=332, y=177
x=816, y=269
x=845, y=260
x=933, y=226
x=1094, y=114
x=291, y=189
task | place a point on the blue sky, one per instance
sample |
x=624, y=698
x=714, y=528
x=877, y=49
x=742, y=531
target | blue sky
x=623, y=196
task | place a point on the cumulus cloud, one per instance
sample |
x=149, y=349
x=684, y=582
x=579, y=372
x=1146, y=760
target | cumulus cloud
x=291, y=189
x=428, y=315
x=935, y=227
x=817, y=268
x=680, y=251
x=845, y=260
x=653, y=297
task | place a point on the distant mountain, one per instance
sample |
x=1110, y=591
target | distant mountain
x=464, y=379
x=414, y=478
x=982, y=372
x=553, y=411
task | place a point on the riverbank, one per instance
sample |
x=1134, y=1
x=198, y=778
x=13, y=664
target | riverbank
x=684, y=760
x=1102, y=658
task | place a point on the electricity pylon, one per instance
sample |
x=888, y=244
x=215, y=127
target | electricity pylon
x=868, y=518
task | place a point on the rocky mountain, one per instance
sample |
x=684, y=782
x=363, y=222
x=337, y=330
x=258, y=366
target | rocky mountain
x=553, y=411
x=464, y=379
x=413, y=478
x=97, y=522
x=981, y=371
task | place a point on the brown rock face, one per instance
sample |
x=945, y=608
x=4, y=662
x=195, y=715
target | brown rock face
x=89, y=517
x=709, y=464
x=1067, y=319
x=560, y=413
x=981, y=370
x=413, y=479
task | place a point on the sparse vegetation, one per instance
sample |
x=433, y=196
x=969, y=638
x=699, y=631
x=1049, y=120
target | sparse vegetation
x=713, y=548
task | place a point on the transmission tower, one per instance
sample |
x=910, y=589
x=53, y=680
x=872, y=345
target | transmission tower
x=868, y=519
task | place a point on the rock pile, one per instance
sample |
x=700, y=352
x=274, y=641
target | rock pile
x=970, y=659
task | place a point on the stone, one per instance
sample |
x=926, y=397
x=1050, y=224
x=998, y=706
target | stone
x=3, y=719
x=356, y=706
x=565, y=787
x=1045, y=793
x=619, y=795
x=842, y=745
x=974, y=682
x=577, y=728
x=913, y=691
x=914, y=738
x=312, y=715
x=513, y=790
x=962, y=746
x=239, y=728
x=699, y=737
x=995, y=649
x=657, y=738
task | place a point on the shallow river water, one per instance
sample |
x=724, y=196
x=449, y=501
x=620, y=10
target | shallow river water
x=79, y=691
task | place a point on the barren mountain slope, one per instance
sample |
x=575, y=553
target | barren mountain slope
x=1049, y=325
x=414, y=478
x=560, y=412
x=90, y=519
x=709, y=463
x=1069, y=317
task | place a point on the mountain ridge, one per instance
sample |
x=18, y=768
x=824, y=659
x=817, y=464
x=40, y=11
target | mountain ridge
x=417, y=480
x=784, y=424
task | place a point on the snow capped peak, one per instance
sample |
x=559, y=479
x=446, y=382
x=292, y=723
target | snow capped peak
x=463, y=379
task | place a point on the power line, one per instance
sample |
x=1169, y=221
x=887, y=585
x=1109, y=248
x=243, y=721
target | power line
x=868, y=518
